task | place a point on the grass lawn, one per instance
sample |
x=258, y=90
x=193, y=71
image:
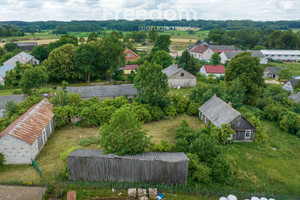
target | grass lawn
x=182, y=91
x=294, y=67
x=273, y=166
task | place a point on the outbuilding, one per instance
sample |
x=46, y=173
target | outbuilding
x=4, y=99
x=217, y=112
x=178, y=77
x=158, y=167
x=22, y=140
x=216, y=70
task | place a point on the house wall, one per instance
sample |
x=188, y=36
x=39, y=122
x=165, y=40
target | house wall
x=129, y=71
x=207, y=54
x=202, y=71
x=240, y=125
x=267, y=74
x=188, y=80
x=15, y=151
x=19, y=152
x=223, y=58
x=283, y=57
x=2, y=80
x=288, y=86
x=197, y=55
x=264, y=61
x=129, y=56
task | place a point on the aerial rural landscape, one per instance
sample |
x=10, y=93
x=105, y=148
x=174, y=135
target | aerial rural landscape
x=149, y=100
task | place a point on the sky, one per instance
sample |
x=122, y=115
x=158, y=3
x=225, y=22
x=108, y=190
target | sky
x=66, y=10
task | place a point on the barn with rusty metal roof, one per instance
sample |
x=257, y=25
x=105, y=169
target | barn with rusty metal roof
x=22, y=140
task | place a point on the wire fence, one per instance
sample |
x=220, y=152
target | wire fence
x=162, y=188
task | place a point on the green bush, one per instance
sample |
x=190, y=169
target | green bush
x=290, y=122
x=221, y=170
x=182, y=145
x=180, y=102
x=64, y=156
x=186, y=132
x=74, y=99
x=2, y=160
x=198, y=171
x=62, y=115
x=170, y=110
x=155, y=112
x=141, y=112
x=222, y=134
x=193, y=109
x=164, y=146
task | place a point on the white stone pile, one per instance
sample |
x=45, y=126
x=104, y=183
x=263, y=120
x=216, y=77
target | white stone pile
x=232, y=197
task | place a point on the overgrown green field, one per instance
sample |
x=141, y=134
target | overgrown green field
x=272, y=167
x=293, y=67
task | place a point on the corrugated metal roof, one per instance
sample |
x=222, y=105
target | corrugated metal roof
x=104, y=90
x=295, y=97
x=24, y=44
x=30, y=125
x=280, y=52
x=171, y=70
x=15, y=98
x=199, y=49
x=218, y=111
x=230, y=54
x=150, y=156
x=4, y=69
x=21, y=58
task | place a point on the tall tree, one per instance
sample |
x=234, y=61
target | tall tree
x=152, y=84
x=284, y=73
x=33, y=78
x=189, y=63
x=86, y=60
x=111, y=54
x=92, y=37
x=10, y=47
x=215, y=59
x=162, y=58
x=123, y=135
x=235, y=93
x=153, y=34
x=250, y=73
x=40, y=52
x=162, y=43
x=60, y=63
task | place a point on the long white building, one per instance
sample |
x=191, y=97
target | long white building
x=282, y=55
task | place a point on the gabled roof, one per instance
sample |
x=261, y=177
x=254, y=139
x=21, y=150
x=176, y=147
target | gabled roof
x=104, y=90
x=129, y=50
x=30, y=125
x=199, y=49
x=171, y=70
x=15, y=98
x=218, y=111
x=222, y=48
x=257, y=54
x=293, y=82
x=214, y=69
x=4, y=69
x=230, y=54
x=295, y=97
x=21, y=58
x=273, y=70
x=130, y=67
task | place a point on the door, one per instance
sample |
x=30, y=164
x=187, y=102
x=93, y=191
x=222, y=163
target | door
x=247, y=134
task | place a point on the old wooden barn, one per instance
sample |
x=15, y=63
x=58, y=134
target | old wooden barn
x=217, y=112
x=159, y=167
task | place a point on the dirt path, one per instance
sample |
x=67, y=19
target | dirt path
x=19, y=192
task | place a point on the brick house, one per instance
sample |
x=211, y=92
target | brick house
x=130, y=56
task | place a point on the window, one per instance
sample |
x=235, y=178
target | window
x=182, y=74
x=202, y=116
x=128, y=55
x=238, y=124
x=247, y=134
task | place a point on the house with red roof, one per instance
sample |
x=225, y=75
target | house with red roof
x=23, y=139
x=128, y=69
x=130, y=56
x=217, y=70
x=204, y=52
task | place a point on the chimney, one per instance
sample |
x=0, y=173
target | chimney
x=230, y=104
x=215, y=95
x=177, y=65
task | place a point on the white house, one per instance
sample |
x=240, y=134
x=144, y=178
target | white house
x=22, y=140
x=204, y=52
x=228, y=55
x=178, y=77
x=290, y=85
x=216, y=70
x=282, y=55
x=10, y=64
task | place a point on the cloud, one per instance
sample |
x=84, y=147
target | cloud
x=65, y=10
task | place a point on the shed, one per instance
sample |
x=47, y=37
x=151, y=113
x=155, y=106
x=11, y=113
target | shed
x=105, y=91
x=295, y=97
x=22, y=58
x=6, y=98
x=178, y=77
x=290, y=85
x=159, y=167
x=217, y=112
x=216, y=70
x=22, y=140
x=3, y=69
x=271, y=72
x=128, y=69
x=26, y=46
